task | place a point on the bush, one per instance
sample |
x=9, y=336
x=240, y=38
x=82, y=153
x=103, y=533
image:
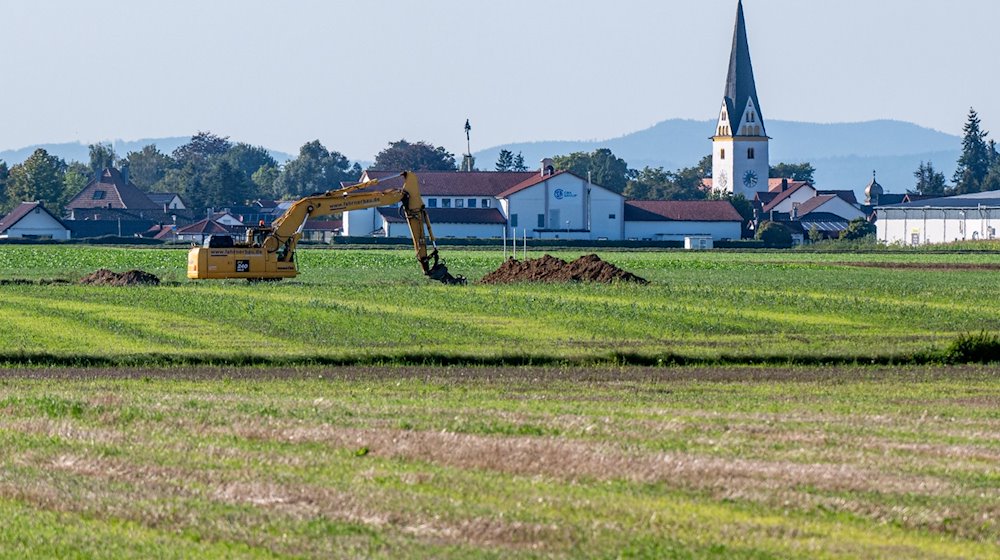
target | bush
x=974, y=349
x=774, y=234
x=858, y=228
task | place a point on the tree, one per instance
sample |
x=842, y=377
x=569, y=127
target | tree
x=601, y=166
x=148, y=166
x=202, y=147
x=4, y=174
x=774, y=234
x=929, y=181
x=77, y=177
x=315, y=170
x=265, y=179
x=658, y=184
x=102, y=156
x=419, y=156
x=858, y=228
x=742, y=205
x=225, y=185
x=40, y=178
x=249, y=159
x=505, y=162
x=518, y=164
x=793, y=171
x=974, y=163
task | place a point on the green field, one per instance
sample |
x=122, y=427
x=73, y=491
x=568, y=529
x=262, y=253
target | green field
x=500, y=463
x=206, y=419
x=375, y=307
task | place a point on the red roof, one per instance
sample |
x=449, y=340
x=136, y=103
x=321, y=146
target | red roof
x=814, y=203
x=775, y=185
x=204, y=227
x=457, y=183
x=449, y=215
x=536, y=179
x=112, y=191
x=785, y=194
x=19, y=212
x=681, y=211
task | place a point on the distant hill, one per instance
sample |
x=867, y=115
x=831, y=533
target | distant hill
x=844, y=154
x=75, y=151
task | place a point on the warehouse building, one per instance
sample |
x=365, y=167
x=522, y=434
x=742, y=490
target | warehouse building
x=940, y=220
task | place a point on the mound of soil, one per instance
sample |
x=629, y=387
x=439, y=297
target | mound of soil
x=105, y=277
x=588, y=268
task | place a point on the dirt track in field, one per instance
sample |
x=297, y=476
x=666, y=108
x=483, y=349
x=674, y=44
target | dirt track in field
x=921, y=266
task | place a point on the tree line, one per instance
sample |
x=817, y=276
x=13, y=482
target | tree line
x=208, y=171
x=978, y=166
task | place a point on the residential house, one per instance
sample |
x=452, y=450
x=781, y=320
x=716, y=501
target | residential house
x=31, y=220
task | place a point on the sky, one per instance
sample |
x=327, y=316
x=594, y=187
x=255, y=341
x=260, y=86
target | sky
x=358, y=74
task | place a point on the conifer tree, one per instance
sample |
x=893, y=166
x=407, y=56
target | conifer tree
x=505, y=161
x=974, y=163
x=519, y=163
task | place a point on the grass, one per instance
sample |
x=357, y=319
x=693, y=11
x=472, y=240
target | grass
x=500, y=463
x=354, y=306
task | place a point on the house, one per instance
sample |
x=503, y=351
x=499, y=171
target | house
x=112, y=189
x=675, y=220
x=167, y=201
x=448, y=222
x=226, y=218
x=940, y=220
x=322, y=230
x=439, y=189
x=784, y=201
x=31, y=220
x=201, y=230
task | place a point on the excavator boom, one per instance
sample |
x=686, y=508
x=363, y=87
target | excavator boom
x=268, y=253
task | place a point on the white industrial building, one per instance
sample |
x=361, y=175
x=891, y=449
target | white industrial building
x=677, y=220
x=940, y=220
x=31, y=220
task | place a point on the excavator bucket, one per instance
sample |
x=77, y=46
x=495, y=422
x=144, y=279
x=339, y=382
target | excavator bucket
x=440, y=273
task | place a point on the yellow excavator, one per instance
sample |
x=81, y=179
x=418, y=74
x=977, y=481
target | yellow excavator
x=268, y=253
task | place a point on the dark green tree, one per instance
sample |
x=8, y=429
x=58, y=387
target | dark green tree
x=315, y=170
x=974, y=163
x=929, y=180
x=202, y=147
x=858, y=228
x=249, y=159
x=505, y=161
x=4, y=174
x=265, y=179
x=40, y=177
x=148, y=166
x=742, y=205
x=102, y=156
x=77, y=176
x=419, y=156
x=602, y=166
x=774, y=234
x=518, y=164
x=793, y=171
x=658, y=184
x=185, y=180
x=224, y=185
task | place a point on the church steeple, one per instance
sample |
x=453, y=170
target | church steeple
x=740, y=161
x=741, y=89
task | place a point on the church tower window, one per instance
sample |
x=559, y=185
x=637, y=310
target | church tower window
x=750, y=153
x=722, y=154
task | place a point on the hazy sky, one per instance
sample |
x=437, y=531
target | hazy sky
x=358, y=74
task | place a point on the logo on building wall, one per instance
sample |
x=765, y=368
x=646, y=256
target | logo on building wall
x=561, y=194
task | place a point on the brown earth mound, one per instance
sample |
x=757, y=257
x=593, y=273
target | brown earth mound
x=105, y=277
x=588, y=268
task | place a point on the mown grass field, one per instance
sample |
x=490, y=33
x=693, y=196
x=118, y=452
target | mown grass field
x=375, y=307
x=500, y=463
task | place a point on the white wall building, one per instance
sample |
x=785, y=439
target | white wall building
x=676, y=220
x=940, y=220
x=31, y=220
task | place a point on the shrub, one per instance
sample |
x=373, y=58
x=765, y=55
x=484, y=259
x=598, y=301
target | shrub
x=974, y=348
x=774, y=234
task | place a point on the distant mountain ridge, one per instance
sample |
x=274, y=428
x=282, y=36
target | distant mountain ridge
x=76, y=151
x=844, y=154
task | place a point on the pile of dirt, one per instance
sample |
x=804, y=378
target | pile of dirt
x=588, y=268
x=105, y=277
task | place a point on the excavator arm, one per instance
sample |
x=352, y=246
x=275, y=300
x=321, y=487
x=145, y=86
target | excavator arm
x=279, y=241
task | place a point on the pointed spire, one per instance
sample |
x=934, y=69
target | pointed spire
x=740, y=85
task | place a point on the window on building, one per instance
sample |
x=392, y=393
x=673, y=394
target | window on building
x=432, y=203
x=611, y=217
x=541, y=220
x=99, y=195
x=445, y=203
x=722, y=153
x=485, y=203
x=750, y=153
x=513, y=220
x=756, y=131
x=459, y=203
x=471, y=203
